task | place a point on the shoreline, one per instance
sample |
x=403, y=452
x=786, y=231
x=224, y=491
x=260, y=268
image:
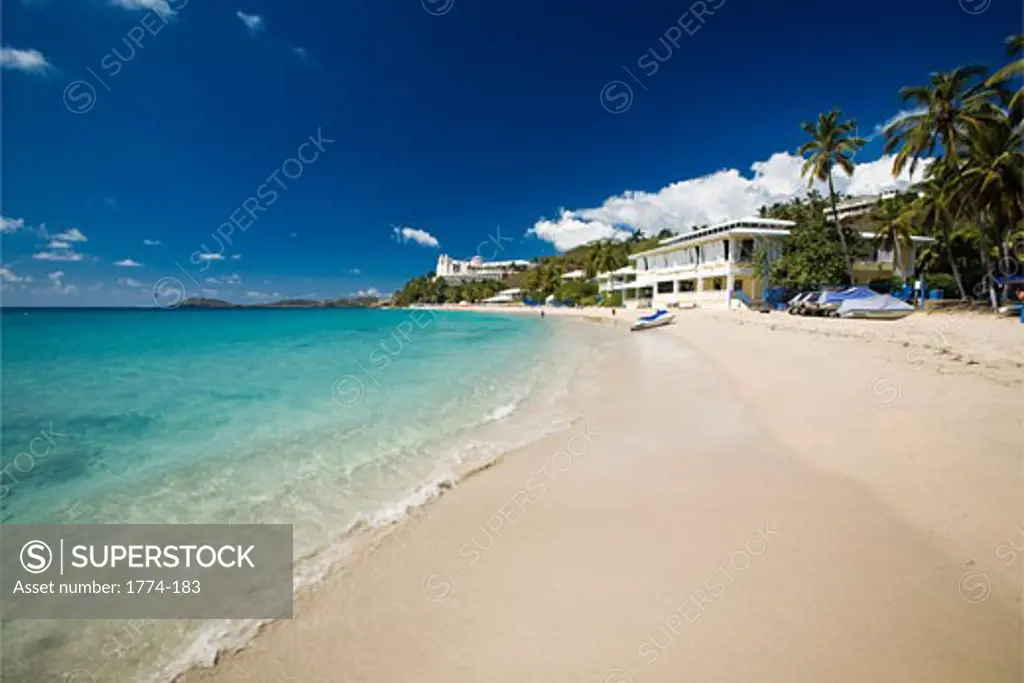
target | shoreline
x=889, y=493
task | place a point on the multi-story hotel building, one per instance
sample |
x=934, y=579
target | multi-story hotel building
x=714, y=266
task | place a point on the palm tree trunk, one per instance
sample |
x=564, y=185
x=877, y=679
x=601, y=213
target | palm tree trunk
x=899, y=260
x=986, y=262
x=839, y=229
x=948, y=239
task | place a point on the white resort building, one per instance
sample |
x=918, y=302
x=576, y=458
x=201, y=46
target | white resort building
x=457, y=271
x=857, y=206
x=714, y=266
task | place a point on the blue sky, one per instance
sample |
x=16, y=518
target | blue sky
x=135, y=128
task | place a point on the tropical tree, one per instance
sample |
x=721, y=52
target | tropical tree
x=947, y=110
x=992, y=181
x=946, y=114
x=1015, y=69
x=831, y=145
x=606, y=256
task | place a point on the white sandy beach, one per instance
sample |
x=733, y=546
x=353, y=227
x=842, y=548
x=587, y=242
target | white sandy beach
x=745, y=497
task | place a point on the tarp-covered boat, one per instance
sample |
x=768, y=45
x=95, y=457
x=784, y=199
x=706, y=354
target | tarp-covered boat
x=878, y=307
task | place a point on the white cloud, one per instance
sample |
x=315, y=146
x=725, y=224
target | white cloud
x=129, y=282
x=151, y=243
x=127, y=263
x=253, y=22
x=161, y=7
x=58, y=285
x=72, y=235
x=57, y=255
x=705, y=200
x=301, y=52
x=9, y=225
x=568, y=231
x=880, y=128
x=252, y=294
x=232, y=279
x=372, y=291
x=29, y=61
x=210, y=256
x=355, y=271
x=293, y=234
x=236, y=257
x=406, y=234
x=206, y=291
x=8, y=275
x=57, y=244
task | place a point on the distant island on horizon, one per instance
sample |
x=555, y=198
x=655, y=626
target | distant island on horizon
x=196, y=302
x=344, y=302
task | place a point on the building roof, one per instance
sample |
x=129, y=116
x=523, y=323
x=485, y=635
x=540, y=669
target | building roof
x=749, y=222
x=574, y=275
x=624, y=270
x=751, y=225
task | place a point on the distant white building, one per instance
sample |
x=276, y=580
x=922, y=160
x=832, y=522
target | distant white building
x=574, y=275
x=476, y=269
x=505, y=296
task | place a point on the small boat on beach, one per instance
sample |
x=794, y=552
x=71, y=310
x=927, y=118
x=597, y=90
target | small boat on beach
x=878, y=307
x=659, y=318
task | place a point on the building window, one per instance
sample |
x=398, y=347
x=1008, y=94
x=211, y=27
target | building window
x=665, y=287
x=725, y=244
x=686, y=285
x=716, y=284
x=746, y=251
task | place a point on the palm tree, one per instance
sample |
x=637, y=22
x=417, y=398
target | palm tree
x=932, y=213
x=606, y=256
x=1015, y=69
x=992, y=179
x=947, y=113
x=830, y=145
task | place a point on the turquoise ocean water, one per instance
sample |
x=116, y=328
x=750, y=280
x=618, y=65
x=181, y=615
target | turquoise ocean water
x=333, y=420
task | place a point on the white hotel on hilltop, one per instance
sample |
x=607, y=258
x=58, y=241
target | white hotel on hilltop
x=476, y=269
x=714, y=266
